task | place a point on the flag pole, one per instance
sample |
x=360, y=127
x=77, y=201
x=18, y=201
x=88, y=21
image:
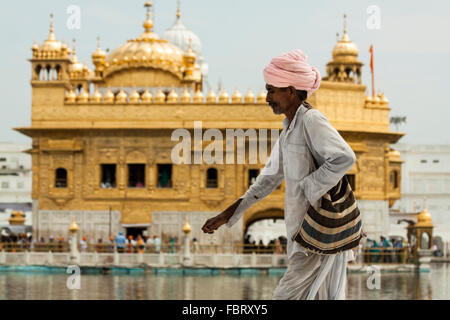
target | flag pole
x=371, y=68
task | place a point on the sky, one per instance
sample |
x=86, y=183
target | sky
x=239, y=37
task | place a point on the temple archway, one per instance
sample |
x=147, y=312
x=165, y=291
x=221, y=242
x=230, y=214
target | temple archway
x=262, y=228
x=271, y=213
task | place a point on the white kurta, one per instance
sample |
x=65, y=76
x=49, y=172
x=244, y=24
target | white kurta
x=290, y=160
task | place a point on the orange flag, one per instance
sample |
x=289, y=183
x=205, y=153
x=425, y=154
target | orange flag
x=371, y=69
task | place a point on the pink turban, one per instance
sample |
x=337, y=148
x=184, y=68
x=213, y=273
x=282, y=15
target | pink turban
x=292, y=69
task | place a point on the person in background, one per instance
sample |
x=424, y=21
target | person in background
x=140, y=244
x=60, y=244
x=110, y=246
x=120, y=242
x=130, y=244
x=157, y=243
x=374, y=251
x=196, y=245
x=100, y=246
x=150, y=244
x=172, y=245
x=387, y=249
x=83, y=244
x=278, y=247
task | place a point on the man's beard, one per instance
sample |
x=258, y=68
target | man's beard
x=275, y=108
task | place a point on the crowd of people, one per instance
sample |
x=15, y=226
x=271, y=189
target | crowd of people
x=275, y=246
x=385, y=250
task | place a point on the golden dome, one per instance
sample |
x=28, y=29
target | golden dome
x=185, y=96
x=345, y=48
x=98, y=54
x=224, y=97
x=383, y=98
x=96, y=97
x=376, y=99
x=17, y=218
x=249, y=97
x=424, y=219
x=70, y=96
x=51, y=44
x=186, y=227
x=73, y=227
x=172, y=97
x=34, y=47
x=76, y=68
x=146, y=97
x=121, y=97
x=211, y=97
x=108, y=97
x=261, y=98
x=147, y=50
x=134, y=96
x=83, y=97
x=368, y=99
x=198, y=97
x=236, y=97
x=160, y=97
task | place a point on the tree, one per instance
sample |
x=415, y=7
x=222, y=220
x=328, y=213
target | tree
x=396, y=121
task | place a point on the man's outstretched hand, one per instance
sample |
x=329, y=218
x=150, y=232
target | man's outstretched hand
x=214, y=223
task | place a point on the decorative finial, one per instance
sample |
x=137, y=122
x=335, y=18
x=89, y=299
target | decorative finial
x=424, y=202
x=345, y=23
x=73, y=227
x=187, y=227
x=51, y=35
x=337, y=36
x=98, y=42
x=414, y=207
x=74, y=50
x=148, y=24
x=148, y=5
x=178, y=10
x=51, y=23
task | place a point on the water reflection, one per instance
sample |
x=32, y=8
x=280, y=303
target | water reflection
x=393, y=286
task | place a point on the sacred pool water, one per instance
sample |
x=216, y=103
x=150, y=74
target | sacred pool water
x=40, y=285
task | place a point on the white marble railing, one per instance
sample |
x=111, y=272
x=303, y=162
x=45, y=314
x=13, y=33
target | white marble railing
x=131, y=260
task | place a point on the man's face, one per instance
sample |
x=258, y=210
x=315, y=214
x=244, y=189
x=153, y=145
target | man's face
x=279, y=99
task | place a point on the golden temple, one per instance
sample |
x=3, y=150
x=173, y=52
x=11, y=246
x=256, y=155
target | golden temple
x=101, y=139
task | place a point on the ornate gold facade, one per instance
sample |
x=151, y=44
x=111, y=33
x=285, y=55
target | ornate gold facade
x=143, y=91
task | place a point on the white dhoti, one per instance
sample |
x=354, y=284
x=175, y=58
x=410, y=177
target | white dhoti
x=313, y=276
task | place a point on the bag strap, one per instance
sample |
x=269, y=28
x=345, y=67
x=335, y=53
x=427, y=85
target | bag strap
x=308, y=107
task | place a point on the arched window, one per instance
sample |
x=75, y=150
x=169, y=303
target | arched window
x=38, y=72
x=394, y=179
x=211, y=178
x=61, y=178
x=48, y=74
x=58, y=71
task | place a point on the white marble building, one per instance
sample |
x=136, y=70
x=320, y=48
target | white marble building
x=15, y=181
x=266, y=230
x=425, y=173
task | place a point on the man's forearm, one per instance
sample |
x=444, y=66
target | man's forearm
x=228, y=213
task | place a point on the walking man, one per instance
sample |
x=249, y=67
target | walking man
x=290, y=80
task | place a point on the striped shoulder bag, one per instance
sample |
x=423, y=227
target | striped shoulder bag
x=335, y=224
